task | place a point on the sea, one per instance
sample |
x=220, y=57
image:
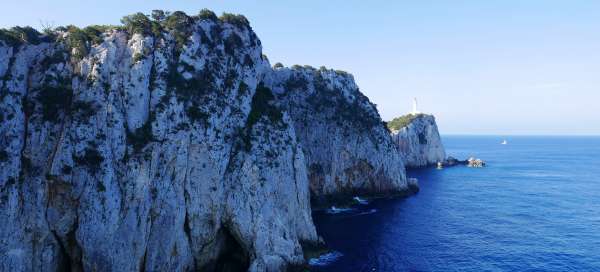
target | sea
x=534, y=207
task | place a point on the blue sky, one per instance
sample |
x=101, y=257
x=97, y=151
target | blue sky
x=482, y=67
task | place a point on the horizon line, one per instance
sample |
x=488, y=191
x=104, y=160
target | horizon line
x=521, y=135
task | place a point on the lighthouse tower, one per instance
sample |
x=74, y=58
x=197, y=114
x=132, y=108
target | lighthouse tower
x=415, y=111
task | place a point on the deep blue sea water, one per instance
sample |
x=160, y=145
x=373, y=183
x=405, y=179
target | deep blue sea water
x=535, y=207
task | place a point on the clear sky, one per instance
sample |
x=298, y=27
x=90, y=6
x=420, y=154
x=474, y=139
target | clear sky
x=482, y=67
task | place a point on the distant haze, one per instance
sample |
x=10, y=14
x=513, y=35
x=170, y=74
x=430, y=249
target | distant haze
x=482, y=67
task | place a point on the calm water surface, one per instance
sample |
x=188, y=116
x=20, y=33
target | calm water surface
x=535, y=207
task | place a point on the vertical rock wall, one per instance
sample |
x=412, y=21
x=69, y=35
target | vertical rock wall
x=419, y=142
x=172, y=145
x=347, y=147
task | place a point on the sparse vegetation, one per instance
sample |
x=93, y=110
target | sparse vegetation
x=82, y=39
x=140, y=137
x=66, y=169
x=94, y=32
x=57, y=57
x=189, y=89
x=400, y=122
x=90, y=159
x=137, y=23
x=100, y=187
x=206, y=14
x=177, y=23
x=238, y=20
x=20, y=35
x=262, y=106
x=180, y=26
x=3, y=156
x=138, y=57
x=83, y=110
x=242, y=89
x=232, y=43
x=54, y=100
x=158, y=15
x=296, y=82
x=330, y=100
x=196, y=114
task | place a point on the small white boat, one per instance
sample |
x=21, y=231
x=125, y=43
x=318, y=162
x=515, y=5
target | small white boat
x=504, y=142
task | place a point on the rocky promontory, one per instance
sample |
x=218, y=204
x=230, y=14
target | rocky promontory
x=347, y=147
x=417, y=139
x=170, y=144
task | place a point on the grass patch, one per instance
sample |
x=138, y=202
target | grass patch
x=402, y=121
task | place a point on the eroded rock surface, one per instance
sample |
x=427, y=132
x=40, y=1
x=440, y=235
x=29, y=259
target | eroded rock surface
x=419, y=142
x=174, y=146
x=347, y=147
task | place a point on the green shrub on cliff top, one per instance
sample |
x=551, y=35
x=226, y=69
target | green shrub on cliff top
x=82, y=39
x=402, y=121
x=206, y=14
x=180, y=26
x=235, y=19
x=137, y=23
x=20, y=35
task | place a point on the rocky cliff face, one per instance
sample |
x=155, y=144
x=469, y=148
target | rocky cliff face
x=173, y=145
x=347, y=147
x=419, y=141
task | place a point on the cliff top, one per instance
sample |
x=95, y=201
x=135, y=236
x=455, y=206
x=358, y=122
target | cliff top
x=138, y=23
x=403, y=121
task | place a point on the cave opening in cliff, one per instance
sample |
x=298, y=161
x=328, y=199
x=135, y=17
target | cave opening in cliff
x=232, y=256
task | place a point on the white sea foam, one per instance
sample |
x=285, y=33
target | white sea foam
x=368, y=212
x=325, y=259
x=334, y=210
x=360, y=200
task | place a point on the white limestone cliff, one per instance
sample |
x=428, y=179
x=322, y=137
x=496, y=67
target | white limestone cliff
x=347, y=147
x=419, y=141
x=158, y=149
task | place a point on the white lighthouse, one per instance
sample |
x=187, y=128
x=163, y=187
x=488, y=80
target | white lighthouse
x=414, y=111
